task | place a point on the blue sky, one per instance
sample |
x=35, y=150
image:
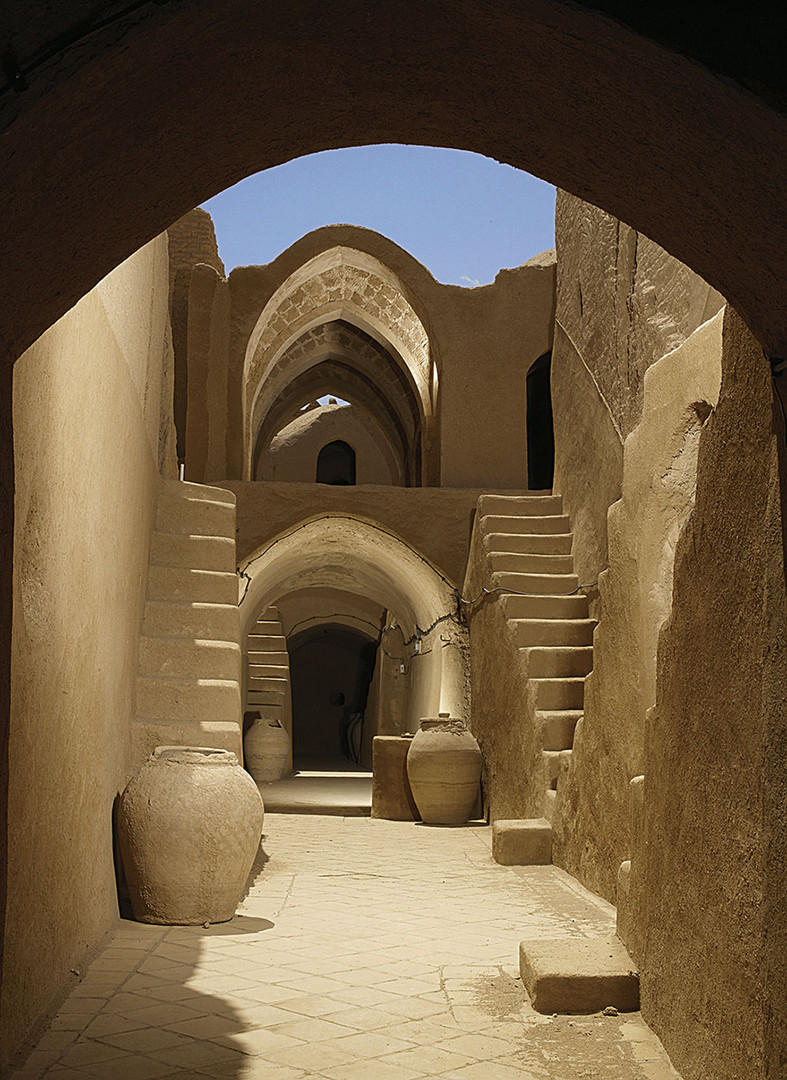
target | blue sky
x=462, y=215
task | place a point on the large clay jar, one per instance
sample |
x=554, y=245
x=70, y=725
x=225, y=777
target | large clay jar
x=444, y=769
x=266, y=745
x=189, y=826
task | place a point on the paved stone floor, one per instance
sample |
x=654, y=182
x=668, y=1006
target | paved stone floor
x=365, y=949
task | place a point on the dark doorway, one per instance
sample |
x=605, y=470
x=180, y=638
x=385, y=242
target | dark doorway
x=331, y=668
x=336, y=463
x=540, y=432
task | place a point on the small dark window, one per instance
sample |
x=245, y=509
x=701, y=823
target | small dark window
x=336, y=464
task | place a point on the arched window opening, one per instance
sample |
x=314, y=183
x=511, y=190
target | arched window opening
x=540, y=432
x=336, y=463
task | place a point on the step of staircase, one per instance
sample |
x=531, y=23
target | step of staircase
x=187, y=584
x=169, y=657
x=526, y=563
x=521, y=505
x=558, y=693
x=572, y=632
x=269, y=671
x=193, y=552
x=557, y=727
x=184, y=699
x=554, y=524
x=546, y=607
x=216, y=622
x=529, y=543
x=534, y=584
x=261, y=685
x=195, y=517
x=267, y=643
x=278, y=659
x=558, y=661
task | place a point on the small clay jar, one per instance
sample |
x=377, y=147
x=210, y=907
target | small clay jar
x=266, y=745
x=189, y=827
x=444, y=769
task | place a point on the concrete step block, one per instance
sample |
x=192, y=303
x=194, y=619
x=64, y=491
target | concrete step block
x=557, y=727
x=558, y=661
x=266, y=642
x=529, y=543
x=215, y=622
x=530, y=632
x=195, y=517
x=578, y=975
x=559, y=693
x=554, y=524
x=545, y=607
x=193, y=552
x=183, y=700
x=185, y=583
x=526, y=842
x=169, y=657
x=535, y=584
x=523, y=562
x=148, y=733
x=529, y=505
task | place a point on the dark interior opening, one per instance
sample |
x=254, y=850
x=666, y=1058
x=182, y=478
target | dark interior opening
x=540, y=432
x=331, y=668
x=336, y=463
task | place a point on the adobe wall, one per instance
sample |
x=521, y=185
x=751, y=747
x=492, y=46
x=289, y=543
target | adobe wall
x=482, y=340
x=709, y=866
x=92, y=427
x=592, y=813
x=622, y=303
x=436, y=522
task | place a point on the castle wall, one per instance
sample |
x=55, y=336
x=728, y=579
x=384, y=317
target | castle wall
x=92, y=430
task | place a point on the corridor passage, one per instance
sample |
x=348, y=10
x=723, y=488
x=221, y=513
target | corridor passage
x=365, y=950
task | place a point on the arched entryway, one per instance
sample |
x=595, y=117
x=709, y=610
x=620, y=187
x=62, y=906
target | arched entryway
x=336, y=463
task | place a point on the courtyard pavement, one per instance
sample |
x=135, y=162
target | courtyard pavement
x=364, y=950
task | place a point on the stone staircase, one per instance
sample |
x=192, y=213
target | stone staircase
x=527, y=540
x=188, y=682
x=268, y=671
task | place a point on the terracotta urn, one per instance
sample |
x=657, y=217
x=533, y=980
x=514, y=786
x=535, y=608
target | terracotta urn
x=189, y=827
x=266, y=745
x=444, y=769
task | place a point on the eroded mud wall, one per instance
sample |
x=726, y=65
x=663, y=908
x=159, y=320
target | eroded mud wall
x=92, y=409
x=708, y=872
x=622, y=303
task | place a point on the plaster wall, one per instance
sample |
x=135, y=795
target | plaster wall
x=92, y=427
x=622, y=303
x=592, y=815
x=709, y=864
x=435, y=521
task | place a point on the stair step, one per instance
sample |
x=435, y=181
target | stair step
x=536, y=584
x=558, y=661
x=555, y=762
x=195, y=517
x=184, y=583
x=266, y=642
x=169, y=657
x=578, y=974
x=554, y=524
x=190, y=490
x=188, y=699
x=279, y=659
x=558, y=693
x=273, y=684
x=268, y=671
x=215, y=622
x=557, y=727
x=193, y=552
x=264, y=697
x=545, y=607
x=529, y=543
x=527, y=505
x=523, y=562
x=530, y=632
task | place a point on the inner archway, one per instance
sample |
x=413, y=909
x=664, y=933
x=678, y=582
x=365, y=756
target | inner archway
x=336, y=463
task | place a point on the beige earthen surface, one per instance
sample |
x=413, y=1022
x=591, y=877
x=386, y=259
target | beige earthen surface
x=365, y=950
x=89, y=438
x=658, y=480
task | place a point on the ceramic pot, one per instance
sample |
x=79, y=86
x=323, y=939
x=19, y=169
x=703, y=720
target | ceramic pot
x=444, y=769
x=266, y=745
x=189, y=827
